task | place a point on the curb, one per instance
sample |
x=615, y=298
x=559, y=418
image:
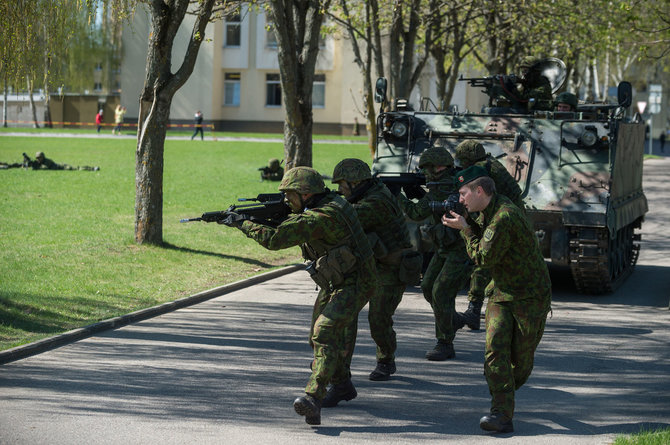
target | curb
x=57, y=341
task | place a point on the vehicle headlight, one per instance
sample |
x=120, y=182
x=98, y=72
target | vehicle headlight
x=399, y=129
x=588, y=137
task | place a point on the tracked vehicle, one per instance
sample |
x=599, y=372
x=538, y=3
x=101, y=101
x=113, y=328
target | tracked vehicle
x=580, y=171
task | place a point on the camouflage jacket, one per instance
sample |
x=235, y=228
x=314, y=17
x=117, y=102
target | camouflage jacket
x=538, y=88
x=505, y=183
x=326, y=225
x=504, y=242
x=446, y=240
x=379, y=213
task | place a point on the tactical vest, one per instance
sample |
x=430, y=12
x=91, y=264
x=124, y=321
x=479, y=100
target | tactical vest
x=505, y=183
x=394, y=234
x=357, y=240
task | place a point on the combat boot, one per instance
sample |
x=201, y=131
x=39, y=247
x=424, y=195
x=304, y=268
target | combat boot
x=338, y=392
x=441, y=352
x=457, y=321
x=472, y=315
x=496, y=422
x=309, y=407
x=383, y=371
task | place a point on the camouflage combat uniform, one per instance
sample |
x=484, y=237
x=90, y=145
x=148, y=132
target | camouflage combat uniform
x=273, y=172
x=450, y=267
x=519, y=296
x=43, y=163
x=470, y=153
x=329, y=223
x=380, y=214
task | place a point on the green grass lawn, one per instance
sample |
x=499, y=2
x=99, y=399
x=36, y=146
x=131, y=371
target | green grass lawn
x=660, y=436
x=67, y=252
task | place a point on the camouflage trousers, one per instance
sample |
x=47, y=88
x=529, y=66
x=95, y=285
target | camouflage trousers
x=513, y=331
x=443, y=278
x=334, y=328
x=382, y=307
x=479, y=279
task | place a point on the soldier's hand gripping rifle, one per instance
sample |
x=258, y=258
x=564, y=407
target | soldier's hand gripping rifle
x=269, y=210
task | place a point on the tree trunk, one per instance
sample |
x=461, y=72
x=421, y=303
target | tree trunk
x=47, y=96
x=33, y=109
x=160, y=86
x=4, y=103
x=297, y=28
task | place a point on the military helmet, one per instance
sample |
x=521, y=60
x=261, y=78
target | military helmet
x=436, y=156
x=566, y=98
x=468, y=152
x=302, y=180
x=273, y=164
x=39, y=154
x=351, y=170
x=527, y=62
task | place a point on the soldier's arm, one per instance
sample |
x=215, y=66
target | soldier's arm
x=489, y=248
x=296, y=230
x=416, y=211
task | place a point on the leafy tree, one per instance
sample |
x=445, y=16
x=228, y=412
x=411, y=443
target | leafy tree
x=297, y=26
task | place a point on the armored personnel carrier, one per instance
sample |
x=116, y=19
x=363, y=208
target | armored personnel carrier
x=580, y=171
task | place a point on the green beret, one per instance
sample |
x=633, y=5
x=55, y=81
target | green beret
x=469, y=175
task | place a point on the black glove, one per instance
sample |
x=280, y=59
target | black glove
x=414, y=191
x=233, y=219
x=394, y=189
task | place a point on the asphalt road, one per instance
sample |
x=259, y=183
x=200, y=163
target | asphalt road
x=225, y=371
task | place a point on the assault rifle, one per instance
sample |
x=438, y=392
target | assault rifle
x=409, y=182
x=269, y=210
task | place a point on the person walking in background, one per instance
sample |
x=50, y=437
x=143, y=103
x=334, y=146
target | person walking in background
x=118, y=118
x=661, y=138
x=99, y=118
x=198, y=126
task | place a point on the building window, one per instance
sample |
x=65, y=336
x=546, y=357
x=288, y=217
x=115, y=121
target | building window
x=273, y=90
x=270, y=37
x=231, y=90
x=233, y=30
x=319, y=91
x=97, y=86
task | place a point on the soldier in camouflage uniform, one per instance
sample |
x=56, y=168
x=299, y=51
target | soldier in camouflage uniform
x=327, y=229
x=43, y=163
x=384, y=223
x=533, y=86
x=450, y=267
x=566, y=102
x=470, y=153
x=273, y=172
x=503, y=241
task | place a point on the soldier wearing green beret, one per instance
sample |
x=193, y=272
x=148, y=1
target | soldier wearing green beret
x=469, y=153
x=450, y=267
x=519, y=296
x=326, y=228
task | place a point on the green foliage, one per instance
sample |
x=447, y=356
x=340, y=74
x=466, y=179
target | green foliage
x=67, y=252
x=649, y=437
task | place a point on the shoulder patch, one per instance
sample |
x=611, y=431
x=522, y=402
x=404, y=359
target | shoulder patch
x=488, y=235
